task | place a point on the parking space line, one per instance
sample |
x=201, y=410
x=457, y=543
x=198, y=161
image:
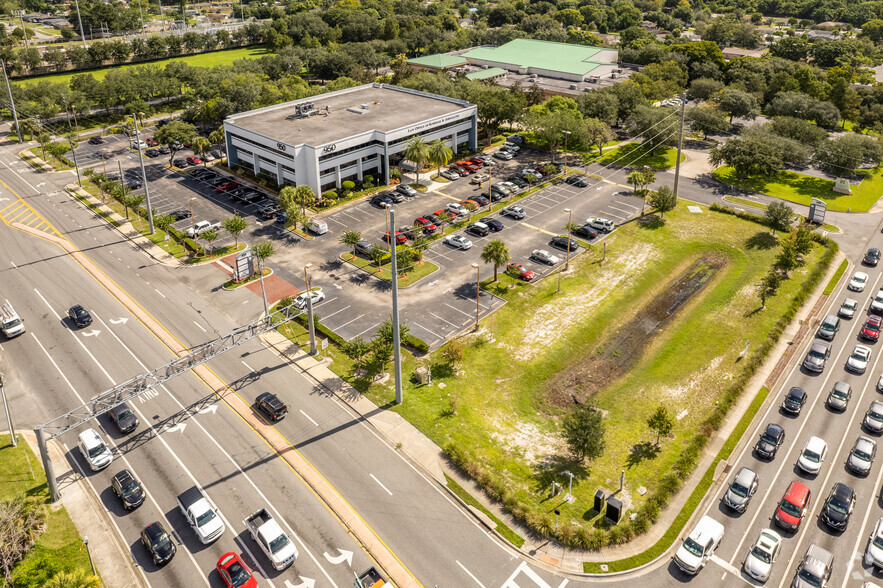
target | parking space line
x=627, y=212
x=480, y=305
x=539, y=229
x=348, y=322
x=363, y=332
x=613, y=215
x=626, y=204
x=445, y=320
x=428, y=331
x=457, y=309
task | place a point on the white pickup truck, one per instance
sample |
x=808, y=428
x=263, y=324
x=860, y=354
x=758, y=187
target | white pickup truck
x=201, y=515
x=201, y=227
x=272, y=540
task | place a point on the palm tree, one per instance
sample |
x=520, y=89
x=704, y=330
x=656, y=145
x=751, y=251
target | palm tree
x=217, y=137
x=497, y=253
x=417, y=151
x=301, y=196
x=350, y=238
x=440, y=154
x=210, y=236
x=201, y=146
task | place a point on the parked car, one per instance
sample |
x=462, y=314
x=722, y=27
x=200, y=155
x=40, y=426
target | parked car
x=813, y=455
x=520, y=271
x=793, y=506
x=127, y=489
x=450, y=174
x=858, y=282
x=139, y=145
x=829, y=327
x=194, y=160
x=123, y=418
x=97, y=140
x=479, y=229
x=848, y=308
x=479, y=178
x=480, y=200
x=381, y=200
x=838, y=398
x=586, y=232
x=282, y=218
x=871, y=328
x=427, y=226
x=504, y=155
x=762, y=555
x=270, y=404
x=563, y=243
x=492, y=223
x=873, y=420
x=858, y=359
x=838, y=506
x=396, y=197
x=872, y=257
x=179, y=214
x=770, y=440
x=406, y=190
x=877, y=303
x=699, y=545
x=227, y=186
x=794, y=400
x=817, y=356
x=234, y=572
x=79, y=316
x=268, y=211
x=152, y=152
x=458, y=242
x=544, y=256
x=400, y=238
x=180, y=162
x=602, y=225
x=515, y=212
x=164, y=149
x=815, y=569
x=518, y=181
x=364, y=248
x=741, y=490
x=156, y=541
x=577, y=180
x=862, y=455
x=457, y=208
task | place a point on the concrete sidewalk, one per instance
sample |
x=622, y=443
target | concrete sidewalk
x=112, y=558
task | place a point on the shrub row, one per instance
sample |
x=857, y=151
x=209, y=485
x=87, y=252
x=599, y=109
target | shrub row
x=755, y=218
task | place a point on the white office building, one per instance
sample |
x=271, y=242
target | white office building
x=325, y=140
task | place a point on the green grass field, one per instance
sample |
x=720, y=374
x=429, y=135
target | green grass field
x=212, y=59
x=635, y=155
x=801, y=189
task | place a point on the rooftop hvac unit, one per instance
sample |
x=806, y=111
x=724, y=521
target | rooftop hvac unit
x=483, y=67
x=613, y=75
x=365, y=106
x=304, y=110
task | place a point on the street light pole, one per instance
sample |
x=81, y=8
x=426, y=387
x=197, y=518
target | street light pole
x=76, y=164
x=192, y=220
x=92, y=563
x=263, y=291
x=396, y=334
x=6, y=408
x=311, y=324
x=569, y=233
x=566, y=134
x=80, y=20
x=11, y=102
x=143, y=174
x=477, y=292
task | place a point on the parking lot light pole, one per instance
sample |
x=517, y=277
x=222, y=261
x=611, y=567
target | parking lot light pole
x=477, y=291
x=396, y=332
x=192, y=220
x=569, y=233
x=312, y=325
x=143, y=173
x=6, y=409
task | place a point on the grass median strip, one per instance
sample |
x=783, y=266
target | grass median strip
x=417, y=272
x=835, y=278
x=510, y=535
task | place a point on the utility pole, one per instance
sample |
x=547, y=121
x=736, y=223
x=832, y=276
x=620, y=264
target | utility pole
x=396, y=335
x=680, y=144
x=54, y=494
x=141, y=12
x=12, y=102
x=311, y=325
x=6, y=409
x=477, y=292
x=20, y=15
x=76, y=164
x=143, y=174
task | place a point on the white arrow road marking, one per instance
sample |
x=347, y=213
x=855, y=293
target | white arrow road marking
x=307, y=583
x=177, y=427
x=433, y=283
x=119, y=321
x=345, y=556
x=41, y=184
x=338, y=286
x=91, y=333
x=208, y=409
x=2, y=199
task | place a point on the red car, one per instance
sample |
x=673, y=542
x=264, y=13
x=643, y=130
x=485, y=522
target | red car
x=235, y=573
x=523, y=273
x=474, y=161
x=428, y=226
x=468, y=165
x=793, y=506
x=193, y=160
x=228, y=185
x=871, y=330
x=400, y=238
x=151, y=142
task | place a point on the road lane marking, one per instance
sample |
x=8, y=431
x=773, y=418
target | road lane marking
x=471, y=575
x=380, y=484
x=160, y=293
x=251, y=369
x=727, y=566
x=308, y=418
x=198, y=325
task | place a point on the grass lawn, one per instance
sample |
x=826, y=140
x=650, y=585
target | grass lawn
x=500, y=407
x=218, y=253
x=635, y=155
x=60, y=546
x=762, y=206
x=418, y=272
x=832, y=283
x=801, y=188
x=224, y=57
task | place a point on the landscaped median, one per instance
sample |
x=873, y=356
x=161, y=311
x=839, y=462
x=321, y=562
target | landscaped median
x=636, y=155
x=762, y=206
x=417, y=272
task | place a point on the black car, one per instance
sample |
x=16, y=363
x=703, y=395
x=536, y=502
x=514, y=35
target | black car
x=200, y=172
x=561, y=243
x=270, y=404
x=496, y=195
x=253, y=197
x=157, y=542
x=127, y=489
x=125, y=419
x=152, y=152
x=180, y=162
x=97, y=140
x=769, y=441
x=480, y=200
x=492, y=223
x=872, y=257
x=839, y=506
x=586, y=231
x=134, y=184
x=578, y=180
x=165, y=149
x=381, y=200
x=79, y=316
x=794, y=400
x=517, y=181
x=217, y=180
x=179, y=214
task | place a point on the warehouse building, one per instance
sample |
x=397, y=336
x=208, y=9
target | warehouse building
x=563, y=61
x=345, y=135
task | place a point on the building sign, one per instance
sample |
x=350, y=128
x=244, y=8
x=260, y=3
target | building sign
x=329, y=148
x=280, y=146
x=433, y=123
x=244, y=266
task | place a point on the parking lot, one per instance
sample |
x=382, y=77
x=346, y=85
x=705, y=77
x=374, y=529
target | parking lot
x=356, y=303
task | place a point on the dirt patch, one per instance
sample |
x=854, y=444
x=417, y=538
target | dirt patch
x=623, y=349
x=526, y=439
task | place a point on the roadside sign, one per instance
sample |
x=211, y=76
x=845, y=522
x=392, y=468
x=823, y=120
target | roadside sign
x=324, y=343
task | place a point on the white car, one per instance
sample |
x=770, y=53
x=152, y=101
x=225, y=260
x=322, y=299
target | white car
x=544, y=256
x=858, y=359
x=763, y=555
x=858, y=282
x=458, y=241
x=139, y=145
x=699, y=546
x=457, y=208
x=94, y=450
x=479, y=178
x=316, y=294
x=813, y=455
x=877, y=302
x=874, y=553
x=450, y=174
x=515, y=212
x=504, y=155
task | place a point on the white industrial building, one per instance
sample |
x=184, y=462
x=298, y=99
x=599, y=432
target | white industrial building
x=325, y=140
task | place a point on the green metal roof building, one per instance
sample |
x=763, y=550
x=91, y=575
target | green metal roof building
x=544, y=58
x=486, y=74
x=437, y=62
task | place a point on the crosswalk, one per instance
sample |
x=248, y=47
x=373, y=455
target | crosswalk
x=16, y=210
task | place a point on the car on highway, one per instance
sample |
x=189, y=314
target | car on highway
x=492, y=223
x=520, y=271
x=873, y=420
x=741, y=490
x=877, y=303
x=479, y=229
x=770, y=439
x=179, y=214
x=815, y=569
x=794, y=400
x=871, y=328
x=317, y=294
x=838, y=398
x=563, y=243
x=872, y=257
x=458, y=242
x=406, y=190
x=123, y=417
x=793, y=506
x=763, y=555
x=848, y=308
x=813, y=455
x=97, y=140
x=127, y=489
x=858, y=359
x=862, y=455
x=271, y=405
x=94, y=450
x=156, y=541
x=577, y=180
x=543, y=256
x=699, y=545
x=515, y=212
x=235, y=573
x=874, y=552
x=858, y=282
x=79, y=316
x=817, y=356
x=828, y=328
x=838, y=506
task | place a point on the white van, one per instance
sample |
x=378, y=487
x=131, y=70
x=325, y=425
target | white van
x=318, y=227
x=10, y=323
x=95, y=451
